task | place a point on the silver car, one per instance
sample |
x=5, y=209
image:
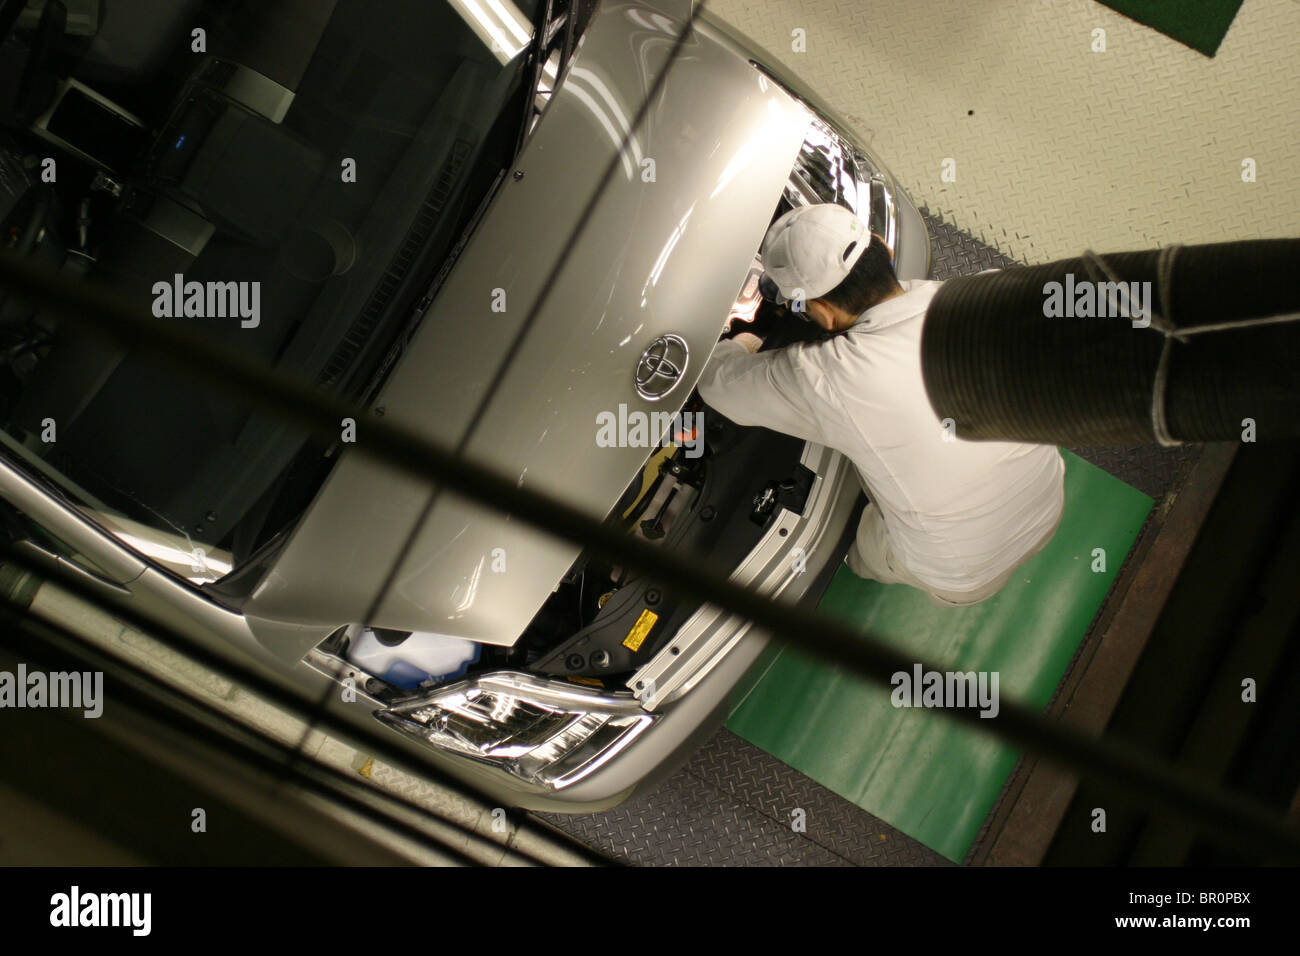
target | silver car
x=372, y=200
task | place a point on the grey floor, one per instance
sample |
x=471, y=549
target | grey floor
x=1006, y=117
x=735, y=805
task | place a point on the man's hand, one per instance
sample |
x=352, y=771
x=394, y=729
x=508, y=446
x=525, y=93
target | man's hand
x=752, y=334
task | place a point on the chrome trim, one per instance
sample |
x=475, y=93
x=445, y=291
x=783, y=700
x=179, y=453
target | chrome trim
x=666, y=358
x=153, y=591
x=67, y=524
x=707, y=636
x=558, y=696
x=58, y=564
x=868, y=173
x=882, y=199
x=561, y=693
x=849, y=177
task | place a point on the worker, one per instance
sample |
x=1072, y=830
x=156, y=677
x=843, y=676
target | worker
x=949, y=517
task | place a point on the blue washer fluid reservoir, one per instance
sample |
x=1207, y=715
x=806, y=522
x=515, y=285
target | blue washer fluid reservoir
x=409, y=659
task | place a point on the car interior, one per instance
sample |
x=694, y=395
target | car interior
x=330, y=150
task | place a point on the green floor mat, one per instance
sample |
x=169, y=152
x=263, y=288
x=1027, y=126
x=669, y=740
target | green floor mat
x=917, y=771
x=1199, y=24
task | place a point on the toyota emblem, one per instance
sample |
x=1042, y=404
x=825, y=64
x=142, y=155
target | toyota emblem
x=661, y=366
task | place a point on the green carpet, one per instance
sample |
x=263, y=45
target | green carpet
x=914, y=769
x=1199, y=24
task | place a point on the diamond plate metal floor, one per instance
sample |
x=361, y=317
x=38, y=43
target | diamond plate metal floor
x=1134, y=146
x=733, y=804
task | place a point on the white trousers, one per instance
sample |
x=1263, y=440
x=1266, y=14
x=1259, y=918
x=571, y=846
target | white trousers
x=872, y=557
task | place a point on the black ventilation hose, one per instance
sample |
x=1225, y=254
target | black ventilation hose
x=1001, y=369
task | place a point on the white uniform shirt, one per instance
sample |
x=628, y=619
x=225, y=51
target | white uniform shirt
x=958, y=513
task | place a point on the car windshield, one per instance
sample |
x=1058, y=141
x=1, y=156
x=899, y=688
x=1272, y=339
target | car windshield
x=290, y=175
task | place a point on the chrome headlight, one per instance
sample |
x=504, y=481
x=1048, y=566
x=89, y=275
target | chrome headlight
x=830, y=168
x=541, y=731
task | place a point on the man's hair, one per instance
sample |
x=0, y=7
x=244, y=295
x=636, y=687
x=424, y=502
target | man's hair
x=869, y=282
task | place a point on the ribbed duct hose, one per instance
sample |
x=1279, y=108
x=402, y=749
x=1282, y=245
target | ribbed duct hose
x=1002, y=368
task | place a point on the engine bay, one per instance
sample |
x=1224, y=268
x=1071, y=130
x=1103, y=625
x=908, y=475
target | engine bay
x=603, y=622
x=711, y=492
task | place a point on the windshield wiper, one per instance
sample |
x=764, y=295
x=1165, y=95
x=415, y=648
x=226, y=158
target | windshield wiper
x=556, y=19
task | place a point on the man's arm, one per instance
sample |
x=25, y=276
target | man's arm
x=774, y=389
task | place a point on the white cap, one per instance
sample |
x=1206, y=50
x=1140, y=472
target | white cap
x=809, y=250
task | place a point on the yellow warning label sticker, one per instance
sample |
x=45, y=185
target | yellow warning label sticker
x=636, y=637
x=589, y=681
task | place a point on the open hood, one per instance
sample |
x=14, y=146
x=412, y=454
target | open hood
x=665, y=253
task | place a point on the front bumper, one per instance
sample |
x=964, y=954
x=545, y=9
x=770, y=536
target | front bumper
x=691, y=688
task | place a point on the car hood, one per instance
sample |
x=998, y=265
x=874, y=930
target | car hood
x=664, y=252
